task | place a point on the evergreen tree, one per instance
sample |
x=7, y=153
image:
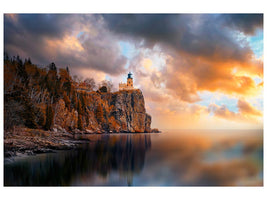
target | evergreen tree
x=52, y=67
x=68, y=71
x=80, y=126
x=29, y=114
x=49, y=117
x=29, y=61
x=79, y=107
x=83, y=102
x=6, y=57
x=66, y=100
x=74, y=100
x=22, y=71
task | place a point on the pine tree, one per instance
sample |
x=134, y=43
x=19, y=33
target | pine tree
x=68, y=71
x=83, y=102
x=6, y=57
x=80, y=126
x=22, y=71
x=29, y=115
x=79, y=107
x=66, y=100
x=49, y=117
x=74, y=100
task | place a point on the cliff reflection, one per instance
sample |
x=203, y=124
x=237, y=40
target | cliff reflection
x=124, y=154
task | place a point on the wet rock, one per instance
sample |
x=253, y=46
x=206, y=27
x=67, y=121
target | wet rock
x=155, y=130
x=87, y=131
x=43, y=150
x=9, y=154
x=147, y=123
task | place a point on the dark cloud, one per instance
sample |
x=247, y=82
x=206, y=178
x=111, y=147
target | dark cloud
x=19, y=27
x=78, y=41
x=46, y=25
x=151, y=27
x=247, y=23
x=200, y=35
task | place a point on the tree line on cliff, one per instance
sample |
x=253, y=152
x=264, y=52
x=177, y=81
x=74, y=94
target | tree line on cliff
x=32, y=94
x=49, y=97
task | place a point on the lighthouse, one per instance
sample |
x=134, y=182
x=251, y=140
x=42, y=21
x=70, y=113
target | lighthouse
x=130, y=80
x=128, y=85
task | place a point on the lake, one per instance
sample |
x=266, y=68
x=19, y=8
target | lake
x=170, y=158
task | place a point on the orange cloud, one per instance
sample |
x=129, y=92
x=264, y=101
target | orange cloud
x=186, y=76
x=247, y=113
x=246, y=108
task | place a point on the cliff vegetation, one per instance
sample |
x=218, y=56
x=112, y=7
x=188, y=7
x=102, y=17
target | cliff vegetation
x=48, y=98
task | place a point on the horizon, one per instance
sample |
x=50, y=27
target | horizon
x=201, y=70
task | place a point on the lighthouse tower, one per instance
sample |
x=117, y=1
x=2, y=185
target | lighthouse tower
x=128, y=85
x=130, y=80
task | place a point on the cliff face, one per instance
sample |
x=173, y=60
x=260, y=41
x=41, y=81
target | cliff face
x=128, y=109
x=122, y=111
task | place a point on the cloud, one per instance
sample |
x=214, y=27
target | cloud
x=246, y=108
x=247, y=23
x=202, y=52
x=196, y=34
x=77, y=41
x=246, y=112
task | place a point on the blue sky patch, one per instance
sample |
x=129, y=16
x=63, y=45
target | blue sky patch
x=218, y=99
x=256, y=43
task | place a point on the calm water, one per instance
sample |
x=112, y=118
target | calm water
x=171, y=158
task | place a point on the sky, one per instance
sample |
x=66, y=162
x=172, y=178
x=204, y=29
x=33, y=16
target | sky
x=196, y=71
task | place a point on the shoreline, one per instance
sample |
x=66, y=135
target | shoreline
x=29, y=142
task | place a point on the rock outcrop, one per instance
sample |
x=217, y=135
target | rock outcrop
x=128, y=109
x=122, y=111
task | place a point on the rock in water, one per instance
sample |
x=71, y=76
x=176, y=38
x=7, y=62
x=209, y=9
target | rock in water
x=155, y=130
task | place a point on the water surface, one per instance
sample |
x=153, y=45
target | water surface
x=171, y=158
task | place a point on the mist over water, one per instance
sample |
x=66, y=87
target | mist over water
x=171, y=158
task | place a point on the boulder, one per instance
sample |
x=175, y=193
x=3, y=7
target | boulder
x=155, y=130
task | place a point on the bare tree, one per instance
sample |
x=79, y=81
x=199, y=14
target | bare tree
x=108, y=84
x=90, y=84
x=77, y=78
x=38, y=96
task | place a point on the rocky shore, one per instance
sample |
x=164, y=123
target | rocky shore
x=28, y=142
x=24, y=141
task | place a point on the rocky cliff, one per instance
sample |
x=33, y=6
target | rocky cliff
x=49, y=98
x=122, y=111
x=128, y=109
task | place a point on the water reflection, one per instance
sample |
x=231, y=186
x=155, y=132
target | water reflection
x=187, y=158
x=122, y=153
x=205, y=158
